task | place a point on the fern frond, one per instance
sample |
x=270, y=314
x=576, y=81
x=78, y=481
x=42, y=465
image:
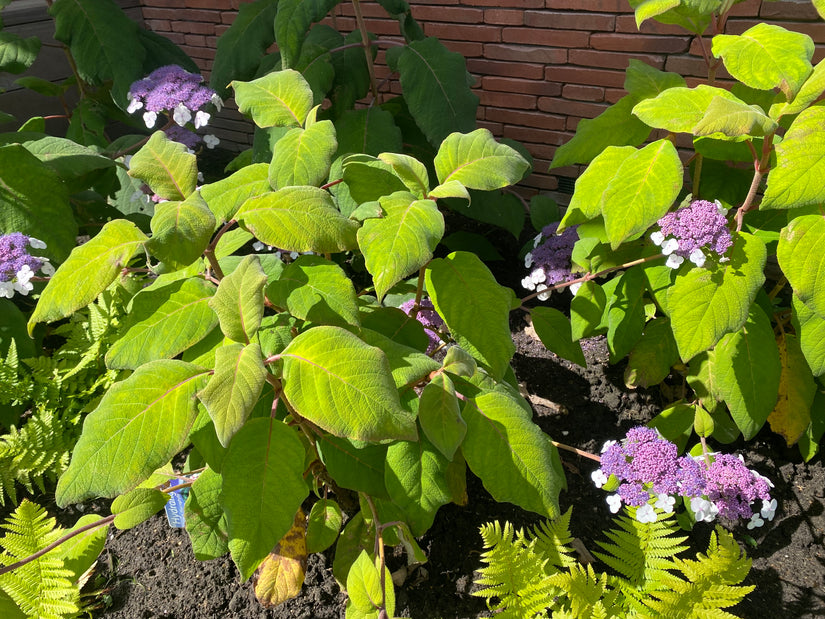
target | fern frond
x=553, y=539
x=588, y=595
x=41, y=588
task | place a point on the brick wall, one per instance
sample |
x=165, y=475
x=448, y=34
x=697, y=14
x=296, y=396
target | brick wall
x=541, y=65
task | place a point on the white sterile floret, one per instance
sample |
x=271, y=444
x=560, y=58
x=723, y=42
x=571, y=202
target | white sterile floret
x=47, y=268
x=258, y=246
x=615, y=503
x=538, y=276
x=657, y=237
x=6, y=290
x=574, y=288
x=544, y=295
x=149, y=119
x=763, y=478
x=703, y=509
x=607, y=445
x=528, y=260
x=755, y=522
x=211, y=141
x=181, y=114
x=528, y=284
x=599, y=478
x=217, y=102
x=294, y=255
x=719, y=208
x=36, y=243
x=768, y=510
x=665, y=502
x=674, y=261
x=22, y=284
x=201, y=119
x=646, y=514
x=670, y=246
x=697, y=257
x=537, y=240
x=134, y=104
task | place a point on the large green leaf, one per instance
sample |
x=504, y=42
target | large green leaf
x=234, y=388
x=263, y=487
x=226, y=196
x=365, y=592
x=81, y=552
x=440, y=414
x=181, y=231
x=344, y=386
x=32, y=199
x=625, y=313
x=282, y=99
x=298, y=219
x=435, y=86
x=644, y=188
x=408, y=365
x=317, y=290
x=292, y=23
x=368, y=178
x=514, y=459
x=240, y=48
x=69, y=159
x=88, y=271
x=416, y=481
x=745, y=369
x=795, y=180
x=797, y=389
x=401, y=242
x=652, y=357
x=303, y=156
x=616, y=126
x=586, y=310
x=803, y=261
x=163, y=322
x=643, y=81
x=500, y=208
x=356, y=467
x=205, y=517
x=482, y=327
x=323, y=525
x=810, y=91
x=477, y=161
x=239, y=301
x=103, y=41
x=169, y=169
x=138, y=426
x=679, y=109
x=370, y=131
x=16, y=53
x=554, y=331
x=137, y=506
x=767, y=56
x=810, y=329
x=726, y=118
x=411, y=171
x=706, y=303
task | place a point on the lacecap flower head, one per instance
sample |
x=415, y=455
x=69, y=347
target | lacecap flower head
x=174, y=91
x=428, y=317
x=549, y=261
x=18, y=266
x=693, y=233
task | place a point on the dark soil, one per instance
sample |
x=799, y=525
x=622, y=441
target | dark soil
x=152, y=572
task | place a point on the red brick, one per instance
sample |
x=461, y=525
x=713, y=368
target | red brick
x=582, y=75
x=504, y=17
x=611, y=60
x=368, y=9
x=529, y=87
x=749, y=8
x=516, y=4
x=627, y=24
x=545, y=151
x=155, y=13
x=611, y=95
x=554, y=38
x=525, y=53
x=601, y=6
x=456, y=15
x=175, y=37
x=495, y=128
x=542, y=181
x=522, y=134
x=788, y=10
x=583, y=93
x=525, y=119
x=171, y=4
x=228, y=17
x=506, y=69
x=193, y=27
x=196, y=40
x=572, y=123
x=691, y=66
x=484, y=34
x=639, y=43
x=570, y=108
x=159, y=25
x=507, y=99
x=465, y=48
x=220, y=29
x=569, y=21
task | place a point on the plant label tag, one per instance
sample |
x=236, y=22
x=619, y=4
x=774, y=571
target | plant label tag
x=174, y=506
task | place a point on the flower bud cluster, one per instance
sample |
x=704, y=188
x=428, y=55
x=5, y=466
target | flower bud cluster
x=18, y=266
x=651, y=474
x=693, y=233
x=179, y=94
x=549, y=262
x=428, y=317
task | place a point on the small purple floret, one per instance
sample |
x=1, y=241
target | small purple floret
x=14, y=255
x=549, y=262
x=691, y=232
x=732, y=486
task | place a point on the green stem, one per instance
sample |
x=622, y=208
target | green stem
x=379, y=549
x=365, y=42
x=209, y=252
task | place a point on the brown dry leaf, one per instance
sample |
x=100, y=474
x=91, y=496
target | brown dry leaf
x=797, y=389
x=281, y=575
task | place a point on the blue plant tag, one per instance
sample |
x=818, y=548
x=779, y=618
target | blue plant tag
x=174, y=507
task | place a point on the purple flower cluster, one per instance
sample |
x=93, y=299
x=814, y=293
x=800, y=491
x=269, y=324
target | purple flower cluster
x=549, y=262
x=172, y=89
x=691, y=231
x=428, y=317
x=18, y=266
x=647, y=467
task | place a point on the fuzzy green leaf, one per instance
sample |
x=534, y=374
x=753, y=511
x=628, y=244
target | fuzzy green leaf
x=477, y=161
x=263, y=487
x=137, y=506
x=801, y=258
x=482, y=328
x=652, y=356
x=163, y=322
x=625, y=313
x=239, y=301
x=810, y=328
x=344, y=386
x=356, y=467
x=370, y=131
x=555, y=332
x=586, y=310
x=88, y=271
x=707, y=303
x=292, y=23
x=234, y=388
x=81, y=552
x=411, y=171
x=205, y=517
x=16, y=53
x=323, y=525
x=281, y=99
x=138, y=426
x=400, y=243
x=298, y=219
x=810, y=91
x=734, y=119
x=226, y=196
x=514, y=459
x=439, y=414
x=365, y=595
x=679, y=109
x=592, y=185
x=166, y=166
x=181, y=231
x=643, y=81
x=303, y=156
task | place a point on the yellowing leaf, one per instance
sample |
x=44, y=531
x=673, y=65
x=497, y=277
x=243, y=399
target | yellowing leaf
x=281, y=575
x=797, y=389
